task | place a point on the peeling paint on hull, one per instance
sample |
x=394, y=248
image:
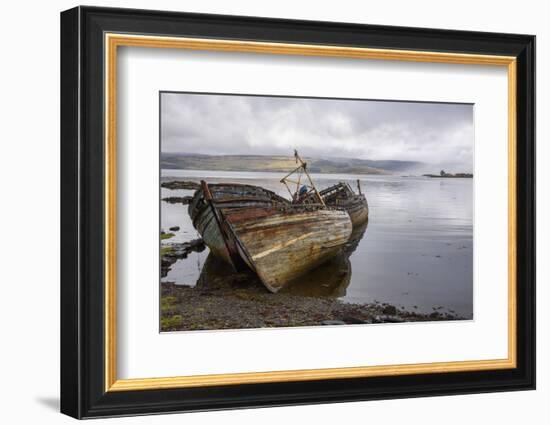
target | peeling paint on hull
x=282, y=246
x=342, y=196
x=277, y=240
x=358, y=211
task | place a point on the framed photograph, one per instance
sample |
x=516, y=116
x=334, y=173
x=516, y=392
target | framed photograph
x=261, y=212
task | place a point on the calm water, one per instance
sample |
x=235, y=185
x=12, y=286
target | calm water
x=415, y=252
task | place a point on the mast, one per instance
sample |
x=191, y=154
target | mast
x=300, y=172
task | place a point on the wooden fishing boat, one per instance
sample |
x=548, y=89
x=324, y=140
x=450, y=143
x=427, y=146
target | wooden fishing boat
x=210, y=202
x=341, y=195
x=300, y=186
x=249, y=226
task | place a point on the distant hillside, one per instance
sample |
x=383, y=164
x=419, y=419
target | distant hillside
x=281, y=164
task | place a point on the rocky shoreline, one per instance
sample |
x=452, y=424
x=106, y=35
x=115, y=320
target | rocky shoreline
x=172, y=252
x=181, y=184
x=237, y=301
x=178, y=199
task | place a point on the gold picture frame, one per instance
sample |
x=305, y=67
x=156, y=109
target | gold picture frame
x=114, y=41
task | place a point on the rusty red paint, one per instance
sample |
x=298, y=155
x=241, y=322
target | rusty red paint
x=249, y=214
x=277, y=239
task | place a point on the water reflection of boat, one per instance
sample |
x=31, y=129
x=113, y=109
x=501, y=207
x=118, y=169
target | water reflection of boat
x=248, y=226
x=330, y=279
x=356, y=235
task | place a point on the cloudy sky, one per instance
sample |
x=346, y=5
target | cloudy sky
x=434, y=133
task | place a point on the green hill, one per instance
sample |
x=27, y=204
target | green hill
x=281, y=164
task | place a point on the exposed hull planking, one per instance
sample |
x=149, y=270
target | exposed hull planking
x=205, y=210
x=282, y=246
x=249, y=225
x=342, y=196
x=358, y=212
x=208, y=226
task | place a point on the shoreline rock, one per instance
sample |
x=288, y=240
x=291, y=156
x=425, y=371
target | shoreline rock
x=170, y=253
x=242, y=305
x=181, y=184
x=178, y=199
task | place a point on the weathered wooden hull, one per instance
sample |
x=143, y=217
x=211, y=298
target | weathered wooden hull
x=209, y=228
x=358, y=210
x=206, y=211
x=341, y=196
x=275, y=239
x=281, y=246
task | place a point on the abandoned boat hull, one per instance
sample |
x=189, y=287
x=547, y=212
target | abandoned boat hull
x=209, y=228
x=342, y=196
x=281, y=246
x=205, y=210
x=263, y=231
x=358, y=210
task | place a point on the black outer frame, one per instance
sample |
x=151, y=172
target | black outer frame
x=82, y=206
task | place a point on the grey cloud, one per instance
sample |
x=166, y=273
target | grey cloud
x=434, y=133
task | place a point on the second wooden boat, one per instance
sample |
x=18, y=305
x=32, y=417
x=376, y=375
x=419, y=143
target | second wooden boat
x=303, y=191
x=341, y=195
